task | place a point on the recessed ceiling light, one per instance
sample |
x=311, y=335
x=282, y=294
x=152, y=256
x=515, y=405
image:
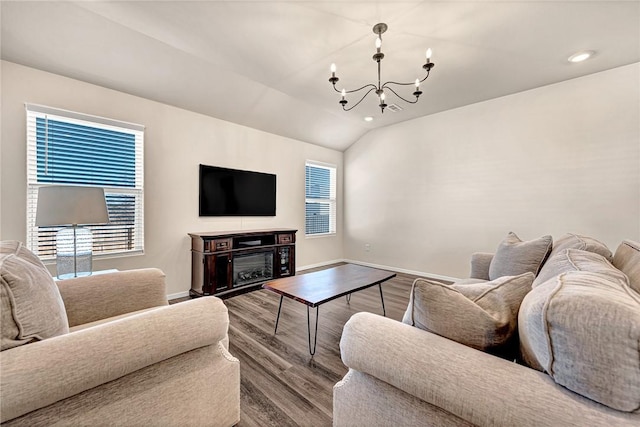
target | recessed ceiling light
x=368, y=119
x=581, y=56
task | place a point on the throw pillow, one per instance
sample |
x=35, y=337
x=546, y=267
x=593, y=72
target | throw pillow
x=480, y=315
x=575, y=260
x=31, y=307
x=514, y=257
x=584, y=243
x=627, y=260
x=480, y=263
x=583, y=329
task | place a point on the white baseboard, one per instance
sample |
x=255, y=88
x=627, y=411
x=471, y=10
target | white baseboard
x=402, y=270
x=321, y=264
x=178, y=295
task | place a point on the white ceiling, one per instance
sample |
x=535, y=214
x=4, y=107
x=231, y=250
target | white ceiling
x=265, y=64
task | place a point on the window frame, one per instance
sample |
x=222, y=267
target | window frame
x=32, y=113
x=331, y=201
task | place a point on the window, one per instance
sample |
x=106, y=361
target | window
x=320, y=199
x=67, y=148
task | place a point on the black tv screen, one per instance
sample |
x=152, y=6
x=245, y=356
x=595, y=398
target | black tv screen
x=233, y=192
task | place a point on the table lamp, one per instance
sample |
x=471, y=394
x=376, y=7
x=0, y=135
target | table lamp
x=71, y=206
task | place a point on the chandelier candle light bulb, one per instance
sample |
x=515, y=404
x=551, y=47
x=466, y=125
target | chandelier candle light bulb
x=417, y=92
x=382, y=103
x=379, y=88
x=333, y=79
x=343, y=101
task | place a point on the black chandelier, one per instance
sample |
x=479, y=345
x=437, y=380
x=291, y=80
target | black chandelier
x=380, y=88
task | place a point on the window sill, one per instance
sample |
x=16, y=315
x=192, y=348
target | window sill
x=52, y=261
x=319, y=235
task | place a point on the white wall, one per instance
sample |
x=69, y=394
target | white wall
x=176, y=141
x=424, y=193
x=427, y=193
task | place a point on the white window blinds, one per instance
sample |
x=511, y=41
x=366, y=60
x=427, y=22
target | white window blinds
x=67, y=148
x=320, y=198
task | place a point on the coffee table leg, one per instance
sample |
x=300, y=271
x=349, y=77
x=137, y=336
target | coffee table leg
x=384, y=312
x=315, y=335
x=278, y=318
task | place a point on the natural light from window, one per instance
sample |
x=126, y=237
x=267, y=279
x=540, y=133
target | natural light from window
x=67, y=148
x=320, y=199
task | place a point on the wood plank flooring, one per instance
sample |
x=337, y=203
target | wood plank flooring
x=281, y=383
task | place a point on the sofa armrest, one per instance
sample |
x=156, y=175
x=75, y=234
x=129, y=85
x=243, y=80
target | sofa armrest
x=38, y=374
x=480, y=262
x=98, y=297
x=475, y=386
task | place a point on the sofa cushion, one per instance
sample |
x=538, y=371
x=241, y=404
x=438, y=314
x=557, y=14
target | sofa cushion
x=31, y=307
x=515, y=257
x=481, y=315
x=575, y=260
x=584, y=243
x=627, y=260
x=583, y=329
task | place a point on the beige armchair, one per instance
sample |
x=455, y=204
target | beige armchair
x=129, y=359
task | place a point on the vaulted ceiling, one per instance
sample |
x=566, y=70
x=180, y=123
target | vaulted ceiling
x=265, y=64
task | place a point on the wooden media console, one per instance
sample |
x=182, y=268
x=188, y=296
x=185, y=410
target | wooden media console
x=229, y=263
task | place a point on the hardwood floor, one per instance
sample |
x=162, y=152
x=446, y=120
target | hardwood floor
x=281, y=384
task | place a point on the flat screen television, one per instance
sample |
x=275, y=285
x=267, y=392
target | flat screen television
x=233, y=192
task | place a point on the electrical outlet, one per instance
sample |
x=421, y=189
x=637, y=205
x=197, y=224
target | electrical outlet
x=367, y=247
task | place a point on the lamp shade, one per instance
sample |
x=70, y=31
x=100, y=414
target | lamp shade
x=69, y=205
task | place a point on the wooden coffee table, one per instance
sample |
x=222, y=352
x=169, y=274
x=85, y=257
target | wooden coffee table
x=314, y=289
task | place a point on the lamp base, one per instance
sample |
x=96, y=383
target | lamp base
x=74, y=252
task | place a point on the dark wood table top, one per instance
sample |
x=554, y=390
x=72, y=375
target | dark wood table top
x=322, y=286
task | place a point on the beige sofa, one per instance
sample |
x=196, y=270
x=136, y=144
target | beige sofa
x=127, y=359
x=402, y=375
